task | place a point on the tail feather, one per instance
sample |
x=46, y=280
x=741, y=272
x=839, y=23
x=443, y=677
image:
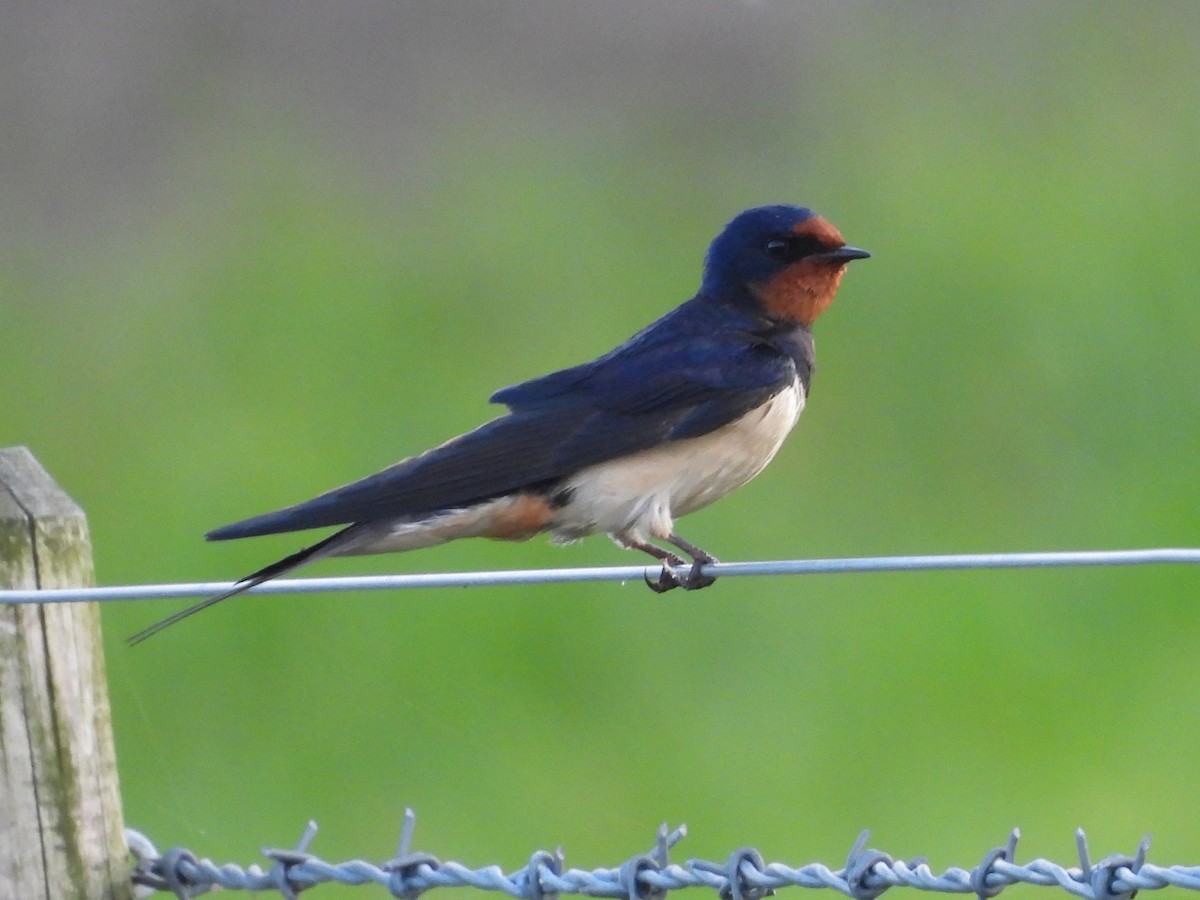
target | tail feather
x=274, y=570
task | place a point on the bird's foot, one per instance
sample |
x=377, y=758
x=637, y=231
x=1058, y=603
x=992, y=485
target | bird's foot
x=691, y=579
x=696, y=578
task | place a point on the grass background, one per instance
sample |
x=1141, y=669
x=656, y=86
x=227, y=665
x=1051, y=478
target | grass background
x=253, y=252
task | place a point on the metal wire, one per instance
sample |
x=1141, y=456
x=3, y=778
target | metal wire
x=744, y=875
x=618, y=573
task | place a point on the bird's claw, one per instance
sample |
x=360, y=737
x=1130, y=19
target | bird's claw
x=667, y=580
x=691, y=579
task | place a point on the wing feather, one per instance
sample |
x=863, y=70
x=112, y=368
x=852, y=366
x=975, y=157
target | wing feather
x=503, y=455
x=656, y=388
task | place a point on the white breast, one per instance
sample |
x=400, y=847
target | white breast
x=642, y=494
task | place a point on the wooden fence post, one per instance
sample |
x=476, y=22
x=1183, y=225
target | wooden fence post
x=61, y=829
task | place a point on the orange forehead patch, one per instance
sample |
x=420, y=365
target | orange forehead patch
x=822, y=230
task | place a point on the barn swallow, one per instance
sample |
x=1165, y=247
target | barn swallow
x=685, y=411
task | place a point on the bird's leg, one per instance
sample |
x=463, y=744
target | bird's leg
x=668, y=578
x=695, y=578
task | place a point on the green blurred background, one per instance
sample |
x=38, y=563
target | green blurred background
x=253, y=251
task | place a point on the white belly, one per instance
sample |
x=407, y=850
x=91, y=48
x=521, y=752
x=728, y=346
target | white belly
x=641, y=495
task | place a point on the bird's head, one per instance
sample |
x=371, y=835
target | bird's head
x=785, y=261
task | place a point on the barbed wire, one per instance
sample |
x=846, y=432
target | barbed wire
x=650, y=876
x=835, y=566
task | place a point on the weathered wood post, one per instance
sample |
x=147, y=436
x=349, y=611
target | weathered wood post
x=61, y=829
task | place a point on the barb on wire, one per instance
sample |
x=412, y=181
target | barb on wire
x=619, y=573
x=866, y=874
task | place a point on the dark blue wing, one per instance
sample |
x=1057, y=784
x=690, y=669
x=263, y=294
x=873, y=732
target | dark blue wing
x=694, y=351
x=660, y=386
x=500, y=456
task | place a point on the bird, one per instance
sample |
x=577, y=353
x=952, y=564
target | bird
x=685, y=411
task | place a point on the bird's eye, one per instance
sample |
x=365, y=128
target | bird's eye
x=777, y=249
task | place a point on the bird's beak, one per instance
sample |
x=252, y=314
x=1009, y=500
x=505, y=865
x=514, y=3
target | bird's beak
x=842, y=254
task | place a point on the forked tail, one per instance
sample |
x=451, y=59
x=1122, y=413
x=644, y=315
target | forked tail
x=274, y=570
